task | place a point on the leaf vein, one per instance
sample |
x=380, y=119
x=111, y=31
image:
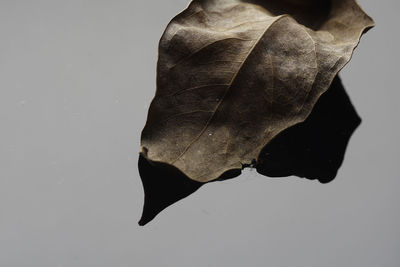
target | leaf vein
x=226, y=91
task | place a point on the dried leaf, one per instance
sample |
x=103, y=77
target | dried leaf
x=234, y=74
x=313, y=149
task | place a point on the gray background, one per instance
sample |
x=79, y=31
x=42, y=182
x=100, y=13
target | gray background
x=76, y=78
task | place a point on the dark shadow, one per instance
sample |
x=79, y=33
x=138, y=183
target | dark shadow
x=315, y=148
x=311, y=13
x=165, y=185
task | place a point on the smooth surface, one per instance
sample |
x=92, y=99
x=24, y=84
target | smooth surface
x=75, y=78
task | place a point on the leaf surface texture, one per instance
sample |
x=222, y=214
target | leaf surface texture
x=233, y=74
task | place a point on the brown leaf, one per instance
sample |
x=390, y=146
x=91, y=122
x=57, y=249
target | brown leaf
x=234, y=74
x=313, y=149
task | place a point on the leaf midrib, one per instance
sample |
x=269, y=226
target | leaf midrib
x=227, y=89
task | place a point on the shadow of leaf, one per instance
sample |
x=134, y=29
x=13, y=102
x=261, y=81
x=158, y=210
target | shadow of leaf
x=163, y=186
x=313, y=149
